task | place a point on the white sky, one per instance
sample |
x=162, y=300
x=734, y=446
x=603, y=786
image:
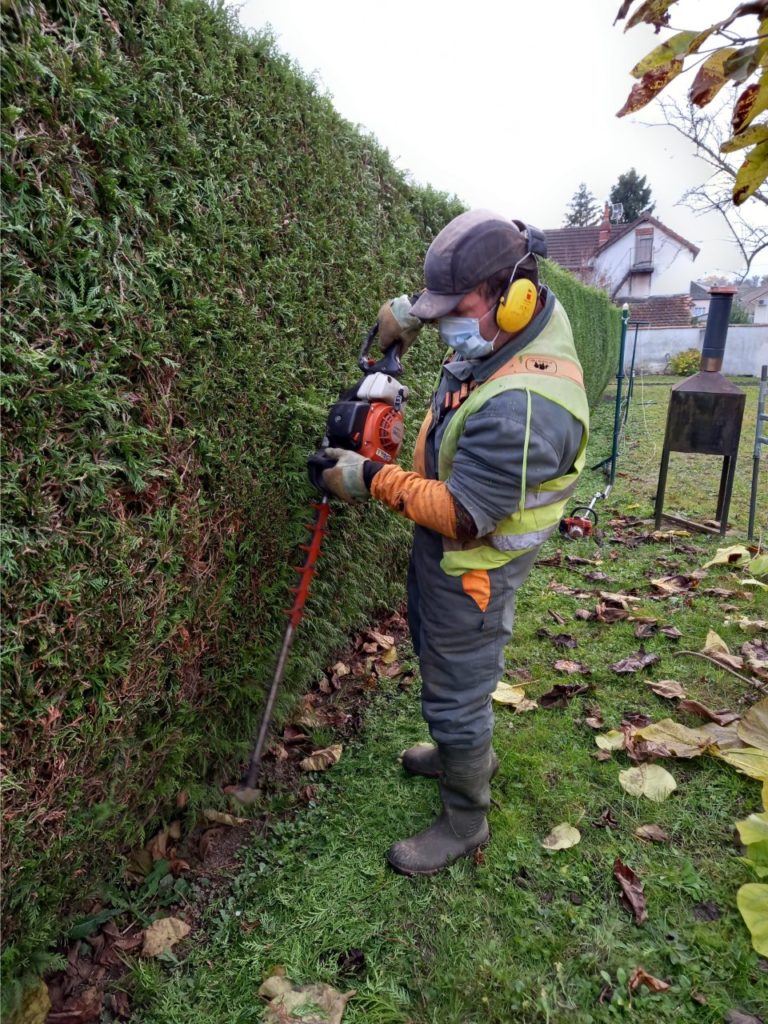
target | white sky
x=509, y=105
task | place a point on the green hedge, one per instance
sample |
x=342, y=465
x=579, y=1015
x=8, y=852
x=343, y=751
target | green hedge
x=194, y=244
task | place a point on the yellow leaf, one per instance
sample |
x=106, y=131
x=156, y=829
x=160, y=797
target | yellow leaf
x=219, y=818
x=752, y=901
x=753, y=728
x=679, y=740
x=611, y=740
x=648, y=780
x=562, y=837
x=734, y=555
x=649, y=86
x=666, y=687
x=711, y=77
x=754, y=583
x=752, y=136
x=753, y=829
x=751, y=174
x=389, y=656
x=724, y=737
x=320, y=760
x=715, y=644
x=506, y=694
x=162, y=934
x=680, y=43
x=289, y=1002
x=748, y=761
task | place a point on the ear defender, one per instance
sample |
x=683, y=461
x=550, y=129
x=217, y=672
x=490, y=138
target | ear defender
x=517, y=306
x=518, y=303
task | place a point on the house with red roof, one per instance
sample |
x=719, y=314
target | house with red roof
x=643, y=263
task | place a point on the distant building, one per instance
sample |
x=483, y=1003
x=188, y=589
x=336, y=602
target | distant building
x=699, y=302
x=643, y=263
x=756, y=303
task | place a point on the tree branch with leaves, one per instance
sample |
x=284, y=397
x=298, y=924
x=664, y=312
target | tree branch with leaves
x=739, y=55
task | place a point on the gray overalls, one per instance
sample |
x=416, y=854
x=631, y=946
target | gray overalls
x=460, y=647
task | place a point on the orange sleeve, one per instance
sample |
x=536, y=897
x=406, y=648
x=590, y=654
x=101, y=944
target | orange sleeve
x=426, y=502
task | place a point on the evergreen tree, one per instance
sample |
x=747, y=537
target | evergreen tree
x=634, y=194
x=582, y=210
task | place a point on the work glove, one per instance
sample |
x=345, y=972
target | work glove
x=345, y=479
x=397, y=325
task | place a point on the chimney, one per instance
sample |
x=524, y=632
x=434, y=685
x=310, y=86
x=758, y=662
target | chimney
x=605, y=226
x=717, y=329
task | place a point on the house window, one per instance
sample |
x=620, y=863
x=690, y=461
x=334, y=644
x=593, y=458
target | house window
x=644, y=246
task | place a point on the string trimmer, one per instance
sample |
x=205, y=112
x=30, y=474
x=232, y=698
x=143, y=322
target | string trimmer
x=368, y=419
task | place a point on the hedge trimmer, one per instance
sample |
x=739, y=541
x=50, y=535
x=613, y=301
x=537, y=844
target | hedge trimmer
x=367, y=419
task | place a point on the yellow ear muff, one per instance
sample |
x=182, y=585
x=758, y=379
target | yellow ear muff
x=517, y=306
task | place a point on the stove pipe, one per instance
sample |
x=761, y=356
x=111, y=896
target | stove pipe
x=717, y=329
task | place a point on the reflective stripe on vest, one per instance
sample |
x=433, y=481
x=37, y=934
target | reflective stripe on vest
x=536, y=369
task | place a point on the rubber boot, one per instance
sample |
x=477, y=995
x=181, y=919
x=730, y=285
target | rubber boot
x=462, y=827
x=424, y=759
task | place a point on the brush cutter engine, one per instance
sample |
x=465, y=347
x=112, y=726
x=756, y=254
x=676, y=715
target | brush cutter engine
x=368, y=418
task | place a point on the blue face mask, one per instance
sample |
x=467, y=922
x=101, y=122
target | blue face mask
x=462, y=333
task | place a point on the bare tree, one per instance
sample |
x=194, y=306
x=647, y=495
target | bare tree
x=707, y=131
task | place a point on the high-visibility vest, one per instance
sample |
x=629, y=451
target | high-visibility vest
x=550, y=367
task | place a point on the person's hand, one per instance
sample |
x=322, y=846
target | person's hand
x=345, y=479
x=397, y=325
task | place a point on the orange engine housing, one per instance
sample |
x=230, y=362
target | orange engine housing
x=383, y=433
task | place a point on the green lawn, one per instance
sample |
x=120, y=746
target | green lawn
x=526, y=935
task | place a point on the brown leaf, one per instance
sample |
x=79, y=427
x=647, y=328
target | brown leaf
x=208, y=841
x=321, y=760
x=666, y=688
x=632, y=895
x=162, y=934
x=554, y=559
x=649, y=86
x=739, y=1017
x=520, y=675
x=723, y=717
x=293, y=735
x=559, y=619
x=561, y=693
x=651, y=833
x=645, y=630
x=672, y=632
x=678, y=584
x=610, y=613
x=601, y=755
x=595, y=718
x=285, y=997
x=307, y=793
x=606, y=819
x=558, y=639
x=641, y=977
x=584, y=614
x=571, y=667
x=382, y=639
x=525, y=705
x=635, y=662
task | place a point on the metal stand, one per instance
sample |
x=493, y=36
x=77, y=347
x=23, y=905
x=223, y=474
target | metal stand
x=762, y=417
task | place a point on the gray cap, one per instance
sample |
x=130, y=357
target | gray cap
x=470, y=249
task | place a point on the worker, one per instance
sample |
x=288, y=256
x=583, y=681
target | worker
x=497, y=456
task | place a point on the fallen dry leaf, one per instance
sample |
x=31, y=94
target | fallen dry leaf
x=747, y=760
x=651, y=833
x=506, y=694
x=340, y=669
x=285, y=997
x=611, y=740
x=648, y=780
x=724, y=737
x=678, y=584
x=632, y=895
x=723, y=717
x=666, y=688
x=606, y=819
x=558, y=639
x=635, y=662
x=321, y=760
x=571, y=667
x=562, y=837
x=561, y=693
x=678, y=739
x=753, y=728
x=560, y=619
x=219, y=818
x=162, y=934
x=595, y=719
x=739, y=1017
x=389, y=656
x=525, y=705
x=382, y=639
x=641, y=977
x=601, y=755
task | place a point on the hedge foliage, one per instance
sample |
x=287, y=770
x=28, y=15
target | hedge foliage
x=194, y=245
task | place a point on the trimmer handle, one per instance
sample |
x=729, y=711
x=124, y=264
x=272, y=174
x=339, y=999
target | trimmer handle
x=390, y=361
x=316, y=465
